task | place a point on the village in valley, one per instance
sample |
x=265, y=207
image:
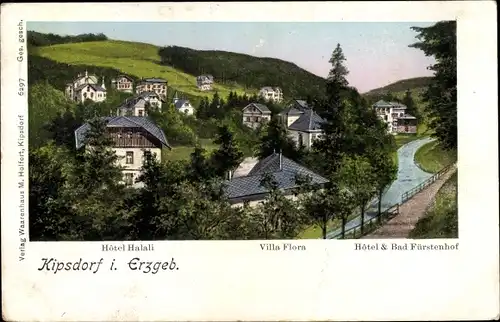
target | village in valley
x=262, y=163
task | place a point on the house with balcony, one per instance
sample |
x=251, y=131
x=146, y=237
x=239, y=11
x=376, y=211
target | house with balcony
x=183, y=105
x=123, y=83
x=132, y=137
x=157, y=85
x=245, y=184
x=205, y=82
x=273, y=94
x=256, y=114
x=85, y=87
x=391, y=112
x=303, y=124
x=138, y=105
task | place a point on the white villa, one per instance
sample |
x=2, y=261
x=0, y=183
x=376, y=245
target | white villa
x=85, y=87
x=157, y=85
x=123, y=83
x=133, y=137
x=255, y=114
x=205, y=82
x=136, y=106
x=394, y=115
x=271, y=94
x=302, y=122
x=183, y=106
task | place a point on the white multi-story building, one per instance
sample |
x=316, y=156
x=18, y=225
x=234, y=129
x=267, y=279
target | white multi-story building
x=85, y=87
x=303, y=124
x=123, y=83
x=132, y=137
x=271, y=94
x=136, y=106
x=183, y=105
x=205, y=82
x=391, y=113
x=157, y=85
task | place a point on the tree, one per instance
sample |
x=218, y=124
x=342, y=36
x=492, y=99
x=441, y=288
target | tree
x=439, y=41
x=277, y=216
x=359, y=179
x=332, y=143
x=200, y=166
x=229, y=155
x=275, y=139
x=410, y=104
x=62, y=128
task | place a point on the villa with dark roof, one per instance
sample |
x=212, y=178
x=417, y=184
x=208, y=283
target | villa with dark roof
x=157, y=85
x=183, y=105
x=132, y=138
x=84, y=87
x=205, y=82
x=247, y=187
x=123, y=83
x=302, y=122
x=136, y=106
x=255, y=114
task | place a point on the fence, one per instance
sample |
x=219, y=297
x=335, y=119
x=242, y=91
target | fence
x=372, y=223
x=376, y=221
x=410, y=193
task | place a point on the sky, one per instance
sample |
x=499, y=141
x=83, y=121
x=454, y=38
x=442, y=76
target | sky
x=377, y=53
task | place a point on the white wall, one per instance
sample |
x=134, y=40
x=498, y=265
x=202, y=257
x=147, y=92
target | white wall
x=138, y=156
x=291, y=119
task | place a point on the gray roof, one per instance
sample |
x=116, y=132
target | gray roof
x=180, y=103
x=145, y=94
x=291, y=111
x=242, y=188
x=407, y=117
x=126, y=122
x=301, y=105
x=154, y=80
x=383, y=103
x=123, y=75
x=309, y=121
x=261, y=107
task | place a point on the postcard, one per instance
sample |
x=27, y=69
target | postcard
x=238, y=161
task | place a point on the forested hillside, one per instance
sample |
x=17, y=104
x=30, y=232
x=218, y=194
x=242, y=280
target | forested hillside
x=39, y=39
x=245, y=70
x=402, y=85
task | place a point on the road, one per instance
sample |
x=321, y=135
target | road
x=409, y=176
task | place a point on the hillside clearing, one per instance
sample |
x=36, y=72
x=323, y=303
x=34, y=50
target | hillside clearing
x=138, y=59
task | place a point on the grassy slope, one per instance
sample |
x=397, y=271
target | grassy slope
x=432, y=158
x=441, y=220
x=184, y=152
x=138, y=59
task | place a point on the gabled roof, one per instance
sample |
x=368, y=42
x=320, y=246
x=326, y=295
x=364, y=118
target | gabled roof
x=261, y=107
x=291, y=111
x=243, y=187
x=205, y=79
x=125, y=122
x=146, y=94
x=96, y=88
x=180, y=103
x=309, y=121
x=301, y=105
x=125, y=76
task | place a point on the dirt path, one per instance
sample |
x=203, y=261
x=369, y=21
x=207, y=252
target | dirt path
x=410, y=212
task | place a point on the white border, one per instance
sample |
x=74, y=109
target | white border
x=237, y=281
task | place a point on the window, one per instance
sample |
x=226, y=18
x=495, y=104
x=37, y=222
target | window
x=140, y=112
x=301, y=140
x=91, y=95
x=248, y=119
x=129, y=179
x=257, y=119
x=129, y=158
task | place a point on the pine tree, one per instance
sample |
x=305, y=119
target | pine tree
x=439, y=41
x=229, y=155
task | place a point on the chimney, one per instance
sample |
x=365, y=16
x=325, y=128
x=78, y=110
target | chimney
x=281, y=161
x=103, y=86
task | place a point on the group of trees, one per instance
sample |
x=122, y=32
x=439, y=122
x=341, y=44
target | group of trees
x=39, y=39
x=77, y=195
x=250, y=71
